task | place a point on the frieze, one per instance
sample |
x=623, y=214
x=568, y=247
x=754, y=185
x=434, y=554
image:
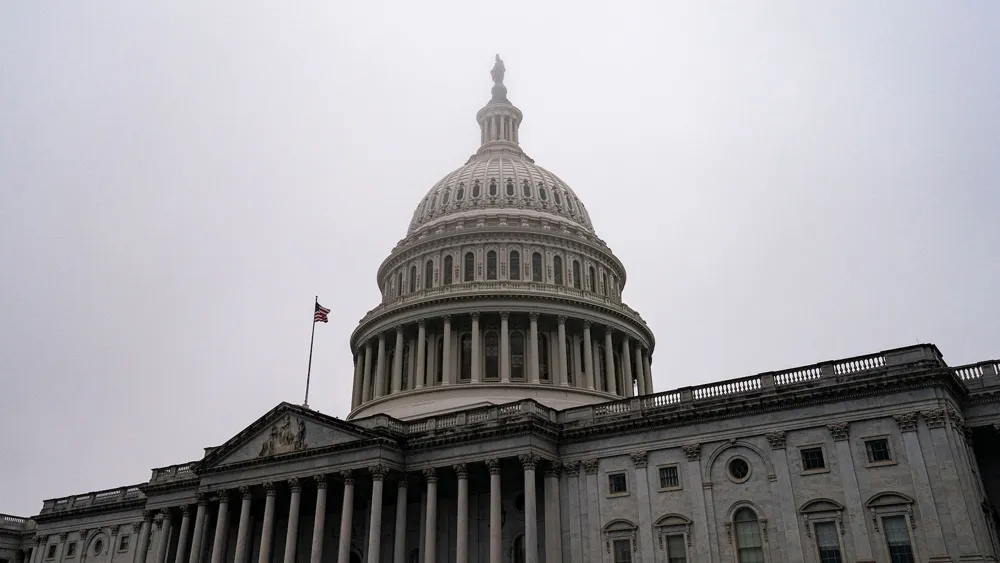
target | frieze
x=839, y=430
x=284, y=437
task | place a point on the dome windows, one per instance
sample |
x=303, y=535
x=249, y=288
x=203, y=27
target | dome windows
x=556, y=197
x=515, y=265
x=491, y=265
x=543, y=194
x=576, y=274
x=510, y=187
x=493, y=187
x=460, y=192
x=536, y=267
x=477, y=190
x=557, y=270
x=429, y=274
x=413, y=279
x=469, y=267
x=445, y=196
x=447, y=270
x=526, y=189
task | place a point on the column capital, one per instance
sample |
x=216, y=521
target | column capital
x=245, y=492
x=493, y=464
x=571, y=467
x=776, y=439
x=421, y=323
x=692, y=451
x=528, y=460
x=533, y=317
x=839, y=430
x=403, y=482
x=561, y=319
x=320, y=480
x=269, y=488
x=935, y=418
x=202, y=499
x=113, y=528
x=348, y=476
x=136, y=526
x=475, y=315
x=378, y=471
x=83, y=532
x=40, y=540
x=461, y=470
x=62, y=536
x=504, y=315
x=147, y=515
x=184, y=508
x=430, y=475
x=446, y=318
x=587, y=325
x=907, y=422
x=553, y=469
x=609, y=331
x=639, y=458
x=295, y=485
x=398, y=328
x=590, y=466
x=221, y=496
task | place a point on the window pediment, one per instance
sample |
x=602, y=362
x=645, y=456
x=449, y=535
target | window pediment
x=821, y=505
x=673, y=524
x=888, y=500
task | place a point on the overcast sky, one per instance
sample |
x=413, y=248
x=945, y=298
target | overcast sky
x=786, y=183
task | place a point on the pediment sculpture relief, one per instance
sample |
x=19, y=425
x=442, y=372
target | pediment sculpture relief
x=285, y=436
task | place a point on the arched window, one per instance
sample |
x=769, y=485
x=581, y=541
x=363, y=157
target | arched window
x=413, y=279
x=536, y=267
x=428, y=362
x=542, y=192
x=406, y=368
x=448, y=266
x=493, y=187
x=492, y=355
x=516, y=355
x=465, y=347
x=526, y=189
x=583, y=359
x=576, y=274
x=515, y=265
x=440, y=359
x=460, y=192
x=557, y=269
x=510, y=187
x=604, y=283
x=429, y=274
x=749, y=543
x=399, y=284
x=445, y=196
x=543, y=357
x=569, y=361
x=469, y=269
x=592, y=280
x=477, y=190
x=491, y=265
x=556, y=197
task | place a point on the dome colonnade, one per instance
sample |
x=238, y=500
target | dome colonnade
x=501, y=290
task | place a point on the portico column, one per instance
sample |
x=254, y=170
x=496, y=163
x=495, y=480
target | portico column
x=182, y=537
x=37, y=555
x=380, y=367
x=533, y=348
x=359, y=366
x=563, y=364
x=627, y=366
x=446, y=352
x=588, y=355
x=267, y=530
x=647, y=373
x=319, y=521
x=640, y=374
x=495, y=509
x=399, y=547
x=421, y=352
x=292, y=530
x=528, y=461
x=609, y=362
x=221, y=522
x=164, y=536
x=200, y=523
x=462, y=521
x=346, y=512
x=243, y=531
x=475, y=348
x=430, y=539
x=397, y=362
x=375, y=523
x=504, y=347
x=142, y=546
x=553, y=515
x=366, y=383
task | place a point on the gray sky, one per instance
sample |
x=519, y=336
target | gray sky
x=786, y=182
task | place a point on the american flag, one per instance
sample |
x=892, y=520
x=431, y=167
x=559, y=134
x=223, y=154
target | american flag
x=321, y=313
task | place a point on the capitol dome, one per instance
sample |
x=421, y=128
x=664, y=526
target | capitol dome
x=500, y=291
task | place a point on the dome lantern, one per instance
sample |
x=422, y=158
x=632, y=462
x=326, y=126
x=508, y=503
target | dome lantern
x=499, y=119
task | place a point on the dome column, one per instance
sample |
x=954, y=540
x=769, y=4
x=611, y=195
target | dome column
x=640, y=374
x=647, y=373
x=380, y=368
x=446, y=352
x=563, y=365
x=366, y=381
x=359, y=361
x=421, y=352
x=533, y=348
x=476, y=366
x=627, y=367
x=609, y=362
x=397, y=361
x=504, y=347
x=588, y=356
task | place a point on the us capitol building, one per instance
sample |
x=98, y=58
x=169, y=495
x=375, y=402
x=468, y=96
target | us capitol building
x=503, y=410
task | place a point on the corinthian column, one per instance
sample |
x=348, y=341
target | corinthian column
x=319, y=521
x=346, y=512
x=380, y=367
x=397, y=362
x=529, y=461
x=446, y=356
x=533, y=347
x=430, y=539
x=292, y=531
x=609, y=362
x=462, y=523
x=588, y=356
x=476, y=367
x=504, y=347
x=199, y=530
x=221, y=521
x=366, y=381
x=375, y=524
x=421, y=352
x=563, y=364
x=640, y=375
x=495, y=509
x=358, y=379
x=244, y=526
x=553, y=516
x=267, y=532
x=399, y=545
x=182, y=537
x=163, y=525
x=627, y=367
x=143, y=544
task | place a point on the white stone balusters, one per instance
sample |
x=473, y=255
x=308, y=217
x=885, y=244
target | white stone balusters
x=399, y=545
x=375, y=523
x=292, y=529
x=462, y=520
x=267, y=531
x=221, y=523
x=346, y=514
x=182, y=536
x=528, y=462
x=319, y=521
x=243, y=531
x=496, y=504
x=430, y=539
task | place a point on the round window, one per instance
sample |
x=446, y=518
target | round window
x=739, y=469
x=98, y=547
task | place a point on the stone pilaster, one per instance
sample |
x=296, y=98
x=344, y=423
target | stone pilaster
x=528, y=462
x=399, y=534
x=645, y=532
x=553, y=515
x=495, y=509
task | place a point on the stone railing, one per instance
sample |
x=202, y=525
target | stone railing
x=980, y=375
x=107, y=496
x=501, y=287
x=526, y=407
x=9, y=521
x=172, y=473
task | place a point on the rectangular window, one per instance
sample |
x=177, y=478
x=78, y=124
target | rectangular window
x=676, y=549
x=123, y=543
x=878, y=450
x=897, y=538
x=71, y=549
x=51, y=554
x=827, y=542
x=622, y=550
x=669, y=477
x=617, y=484
x=812, y=459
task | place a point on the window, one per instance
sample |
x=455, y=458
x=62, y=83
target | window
x=446, y=274
x=491, y=265
x=460, y=192
x=536, y=267
x=669, y=477
x=71, y=549
x=413, y=279
x=749, y=543
x=399, y=284
x=592, y=280
x=515, y=265
x=516, y=355
x=897, y=539
x=445, y=196
x=604, y=283
x=827, y=542
x=543, y=194
x=98, y=547
x=812, y=458
x=739, y=469
x=492, y=355
x=469, y=269
x=526, y=189
x=622, y=550
x=123, y=543
x=51, y=553
x=429, y=274
x=466, y=348
x=543, y=357
x=557, y=269
x=576, y=274
x=510, y=187
x=493, y=187
x=556, y=197
x=440, y=360
x=676, y=548
x=617, y=484
x=878, y=450
x=405, y=381
x=476, y=189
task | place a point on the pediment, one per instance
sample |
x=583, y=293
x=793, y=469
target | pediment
x=286, y=430
x=821, y=505
x=888, y=499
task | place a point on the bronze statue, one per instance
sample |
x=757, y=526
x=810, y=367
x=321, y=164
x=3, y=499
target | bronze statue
x=498, y=71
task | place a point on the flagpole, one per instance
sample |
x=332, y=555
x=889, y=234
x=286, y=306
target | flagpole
x=312, y=338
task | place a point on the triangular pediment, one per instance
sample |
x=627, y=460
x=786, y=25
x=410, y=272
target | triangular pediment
x=286, y=430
